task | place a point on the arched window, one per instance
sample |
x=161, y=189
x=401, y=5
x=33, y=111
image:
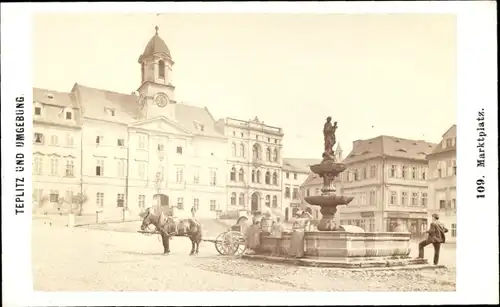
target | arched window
x=268, y=178
x=268, y=200
x=242, y=150
x=233, y=149
x=253, y=176
x=161, y=69
x=241, y=175
x=275, y=201
x=268, y=154
x=275, y=178
x=233, y=199
x=256, y=152
x=275, y=155
x=233, y=174
x=258, y=176
x=242, y=200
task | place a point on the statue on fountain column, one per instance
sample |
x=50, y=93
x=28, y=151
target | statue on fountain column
x=329, y=134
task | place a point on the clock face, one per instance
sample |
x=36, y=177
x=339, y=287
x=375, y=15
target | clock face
x=161, y=100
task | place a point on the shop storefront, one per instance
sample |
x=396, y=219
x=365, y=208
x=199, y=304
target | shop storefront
x=415, y=223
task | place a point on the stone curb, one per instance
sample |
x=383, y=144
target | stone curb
x=380, y=265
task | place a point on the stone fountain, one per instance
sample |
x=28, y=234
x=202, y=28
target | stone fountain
x=339, y=245
x=346, y=245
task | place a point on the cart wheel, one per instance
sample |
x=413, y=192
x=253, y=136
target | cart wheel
x=219, y=244
x=235, y=243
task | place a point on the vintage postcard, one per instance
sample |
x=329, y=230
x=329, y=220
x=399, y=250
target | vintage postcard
x=253, y=154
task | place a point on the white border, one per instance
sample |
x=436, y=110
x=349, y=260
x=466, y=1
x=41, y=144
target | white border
x=477, y=247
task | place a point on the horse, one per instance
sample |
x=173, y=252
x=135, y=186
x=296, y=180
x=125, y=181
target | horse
x=168, y=227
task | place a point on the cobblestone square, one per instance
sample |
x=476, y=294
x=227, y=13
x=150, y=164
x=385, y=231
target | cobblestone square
x=80, y=259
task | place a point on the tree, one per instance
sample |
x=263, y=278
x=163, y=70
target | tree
x=79, y=199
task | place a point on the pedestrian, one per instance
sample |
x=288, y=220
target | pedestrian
x=253, y=236
x=297, y=239
x=193, y=211
x=436, y=236
x=277, y=232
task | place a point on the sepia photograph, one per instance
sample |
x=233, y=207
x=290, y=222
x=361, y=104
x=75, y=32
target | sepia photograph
x=248, y=151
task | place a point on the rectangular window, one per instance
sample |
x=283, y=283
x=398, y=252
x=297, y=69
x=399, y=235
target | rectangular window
x=38, y=165
x=213, y=205
x=413, y=173
x=179, y=175
x=308, y=192
x=196, y=176
x=295, y=194
x=442, y=204
x=196, y=203
x=54, y=166
x=424, y=175
x=287, y=192
x=394, y=196
x=99, y=140
x=424, y=199
x=453, y=230
x=120, y=142
x=160, y=147
x=453, y=203
x=404, y=198
x=403, y=172
x=392, y=172
x=100, y=200
x=70, y=168
x=69, y=140
x=449, y=143
x=120, y=200
x=295, y=176
x=414, y=199
x=287, y=175
x=69, y=115
x=179, y=150
x=356, y=175
x=38, y=138
x=362, y=224
x=372, y=198
x=99, y=169
x=180, y=203
x=454, y=165
x=54, y=140
x=53, y=196
x=371, y=228
x=141, y=170
x=38, y=111
x=365, y=173
x=120, y=167
x=373, y=171
x=141, y=144
x=141, y=201
x=318, y=191
x=213, y=177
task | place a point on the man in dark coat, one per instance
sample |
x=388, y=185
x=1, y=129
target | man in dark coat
x=436, y=237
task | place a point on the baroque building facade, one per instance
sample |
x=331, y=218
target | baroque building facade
x=130, y=147
x=442, y=182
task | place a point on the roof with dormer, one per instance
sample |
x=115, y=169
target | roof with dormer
x=156, y=45
x=389, y=146
x=450, y=133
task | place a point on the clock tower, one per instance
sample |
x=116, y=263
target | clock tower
x=156, y=93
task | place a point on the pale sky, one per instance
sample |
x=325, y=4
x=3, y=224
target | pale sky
x=374, y=74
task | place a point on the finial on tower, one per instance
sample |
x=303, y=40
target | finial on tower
x=156, y=29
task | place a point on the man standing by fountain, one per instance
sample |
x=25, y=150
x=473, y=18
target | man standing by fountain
x=436, y=237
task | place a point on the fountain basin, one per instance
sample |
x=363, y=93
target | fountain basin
x=344, y=245
x=328, y=200
x=328, y=166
